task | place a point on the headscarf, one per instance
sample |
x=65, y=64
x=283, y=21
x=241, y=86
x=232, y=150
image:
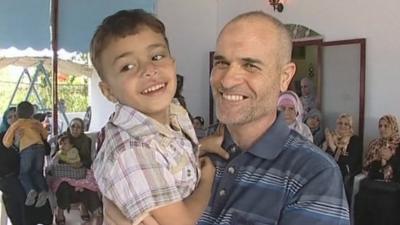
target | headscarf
x=4, y=123
x=375, y=146
x=82, y=143
x=298, y=125
x=290, y=96
x=342, y=140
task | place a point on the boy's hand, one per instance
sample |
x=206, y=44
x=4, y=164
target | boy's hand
x=212, y=144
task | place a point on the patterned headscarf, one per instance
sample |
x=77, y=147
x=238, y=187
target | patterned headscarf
x=4, y=123
x=375, y=146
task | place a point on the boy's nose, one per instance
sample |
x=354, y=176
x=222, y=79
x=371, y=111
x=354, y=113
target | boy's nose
x=150, y=69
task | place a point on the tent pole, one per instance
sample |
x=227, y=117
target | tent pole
x=54, y=47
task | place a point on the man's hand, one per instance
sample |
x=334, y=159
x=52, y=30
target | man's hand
x=207, y=171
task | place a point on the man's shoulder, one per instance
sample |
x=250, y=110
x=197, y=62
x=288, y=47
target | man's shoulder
x=305, y=153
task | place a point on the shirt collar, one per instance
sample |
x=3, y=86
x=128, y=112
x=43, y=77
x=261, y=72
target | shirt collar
x=138, y=124
x=270, y=143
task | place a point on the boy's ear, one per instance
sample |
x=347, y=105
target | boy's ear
x=106, y=91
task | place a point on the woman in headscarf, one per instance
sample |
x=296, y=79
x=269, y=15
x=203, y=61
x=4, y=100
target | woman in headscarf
x=290, y=105
x=382, y=158
x=346, y=148
x=85, y=190
x=13, y=193
x=313, y=121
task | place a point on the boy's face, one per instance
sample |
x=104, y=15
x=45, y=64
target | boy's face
x=139, y=72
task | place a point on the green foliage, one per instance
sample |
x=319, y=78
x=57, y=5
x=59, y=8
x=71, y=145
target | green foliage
x=74, y=91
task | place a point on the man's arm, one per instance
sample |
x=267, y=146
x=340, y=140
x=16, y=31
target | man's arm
x=320, y=201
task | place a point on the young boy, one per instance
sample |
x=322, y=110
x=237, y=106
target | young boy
x=68, y=154
x=148, y=163
x=31, y=135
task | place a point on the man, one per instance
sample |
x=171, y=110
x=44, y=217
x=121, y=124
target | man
x=274, y=175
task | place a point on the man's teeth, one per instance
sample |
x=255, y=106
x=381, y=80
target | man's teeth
x=233, y=97
x=154, y=88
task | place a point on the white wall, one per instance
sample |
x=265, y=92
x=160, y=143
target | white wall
x=192, y=28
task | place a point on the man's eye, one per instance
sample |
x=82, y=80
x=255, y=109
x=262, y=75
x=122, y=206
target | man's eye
x=220, y=63
x=157, y=57
x=251, y=67
x=127, y=67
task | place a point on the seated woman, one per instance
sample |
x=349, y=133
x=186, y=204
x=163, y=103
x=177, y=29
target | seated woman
x=290, y=105
x=377, y=201
x=346, y=148
x=382, y=158
x=69, y=190
x=313, y=121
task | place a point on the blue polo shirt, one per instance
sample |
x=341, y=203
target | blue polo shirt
x=282, y=179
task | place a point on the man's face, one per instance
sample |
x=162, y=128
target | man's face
x=139, y=72
x=246, y=77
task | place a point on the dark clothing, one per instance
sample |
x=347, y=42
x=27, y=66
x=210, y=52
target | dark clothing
x=318, y=136
x=377, y=203
x=66, y=195
x=350, y=164
x=14, y=194
x=14, y=199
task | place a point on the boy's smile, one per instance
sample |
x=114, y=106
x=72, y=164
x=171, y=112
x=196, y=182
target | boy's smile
x=140, y=73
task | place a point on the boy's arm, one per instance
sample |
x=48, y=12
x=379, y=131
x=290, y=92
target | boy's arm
x=185, y=212
x=188, y=211
x=8, y=138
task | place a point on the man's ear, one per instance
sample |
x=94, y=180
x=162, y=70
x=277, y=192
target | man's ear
x=287, y=73
x=106, y=91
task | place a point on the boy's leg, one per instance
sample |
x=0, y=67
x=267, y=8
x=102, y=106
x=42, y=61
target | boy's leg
x=38, y=176
x=25, y=175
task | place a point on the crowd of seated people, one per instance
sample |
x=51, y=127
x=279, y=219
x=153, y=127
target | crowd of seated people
x=68, y=174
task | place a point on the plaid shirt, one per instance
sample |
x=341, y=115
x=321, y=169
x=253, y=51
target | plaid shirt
x=143, y=165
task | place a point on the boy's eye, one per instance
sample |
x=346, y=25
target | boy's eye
x=127, y=67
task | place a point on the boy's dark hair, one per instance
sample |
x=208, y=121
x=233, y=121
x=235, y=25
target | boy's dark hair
x=120, y=25
x=25, y=110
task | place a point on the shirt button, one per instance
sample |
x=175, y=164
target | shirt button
x=189, y=173
x=231, y=170
x=222, y=192
x=233, y=149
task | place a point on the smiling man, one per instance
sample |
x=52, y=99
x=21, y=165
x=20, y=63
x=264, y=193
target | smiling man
x=273, y=175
